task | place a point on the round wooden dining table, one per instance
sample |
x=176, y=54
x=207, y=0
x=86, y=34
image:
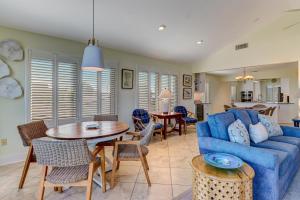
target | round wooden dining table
x=106, y=131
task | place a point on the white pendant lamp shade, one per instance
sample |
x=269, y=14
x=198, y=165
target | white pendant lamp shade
x=165, y=94
x=92, y=59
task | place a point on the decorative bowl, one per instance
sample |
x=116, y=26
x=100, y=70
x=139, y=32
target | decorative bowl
x=223, y=160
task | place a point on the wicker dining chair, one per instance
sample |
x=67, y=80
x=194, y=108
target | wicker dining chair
x=106, y=118
x=134, y=150
x=71, y=162
x=28, y=132
x=272, y=110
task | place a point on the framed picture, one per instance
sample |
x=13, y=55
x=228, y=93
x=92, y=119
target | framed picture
x=187, y=80
x=127, y=79
x=187, y=93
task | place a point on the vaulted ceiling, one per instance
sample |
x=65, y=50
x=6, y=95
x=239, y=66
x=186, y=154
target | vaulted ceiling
x=132, y=25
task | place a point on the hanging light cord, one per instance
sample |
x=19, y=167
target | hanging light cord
x=93, y=19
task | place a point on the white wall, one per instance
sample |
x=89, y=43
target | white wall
x=12, y=112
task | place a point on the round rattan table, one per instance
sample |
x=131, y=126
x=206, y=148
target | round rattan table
x=211, y=183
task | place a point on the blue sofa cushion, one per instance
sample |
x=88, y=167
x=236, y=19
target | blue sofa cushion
x=243, y=116
x=286, y=139
x=190, y=120
x=218, y=124
x=291, y=150
x=253, y=115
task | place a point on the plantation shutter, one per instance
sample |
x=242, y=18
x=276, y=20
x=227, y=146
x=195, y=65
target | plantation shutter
x=154, y=90
x=173, y=90
x=108, y=91
x=143, y=90
x=89, y=85
x=67, y=90
x=41, y=87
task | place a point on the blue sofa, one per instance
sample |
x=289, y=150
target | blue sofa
x=275, y=161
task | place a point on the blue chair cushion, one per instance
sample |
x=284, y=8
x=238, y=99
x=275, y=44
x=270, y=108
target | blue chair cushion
x=291, y=150
x=182, y=110
x=142, y=114
x=158, y=126
x=253, y=114
x=190, y=120
x=243, y=116
x=218, y=124
x=286, y=139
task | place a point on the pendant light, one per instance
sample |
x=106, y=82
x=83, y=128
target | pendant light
x=92, y=59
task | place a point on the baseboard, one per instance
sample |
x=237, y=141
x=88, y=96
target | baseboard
x=5, y=160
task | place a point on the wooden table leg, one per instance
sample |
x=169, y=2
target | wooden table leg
x=180, y=123
x=165, y=128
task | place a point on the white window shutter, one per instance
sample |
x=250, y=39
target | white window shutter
x=108, y=91
x=143, y=90
x=89, y=93
x=154, y=91
x=41, y=88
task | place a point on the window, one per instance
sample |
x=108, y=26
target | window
x=59, y=92
x=98, y=92
x=148, y=91
x=170, y=82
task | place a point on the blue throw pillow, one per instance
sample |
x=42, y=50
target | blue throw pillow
x=272, y=127
x=242, y=115
x=238, y=133
x=218, y=124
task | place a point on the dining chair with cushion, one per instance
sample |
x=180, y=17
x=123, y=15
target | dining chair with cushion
x=134, y=150
x=186, y=116
x=28, y=132
x=71, y=162
x=141, y=119
x=268, y=111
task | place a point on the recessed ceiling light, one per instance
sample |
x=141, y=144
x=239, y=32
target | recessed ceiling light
x=199, y=42
x=162, y=27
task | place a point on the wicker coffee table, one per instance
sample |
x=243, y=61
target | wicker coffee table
x=219, y=184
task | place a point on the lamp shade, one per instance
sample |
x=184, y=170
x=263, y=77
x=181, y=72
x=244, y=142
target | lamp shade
x=165, y=94
x=92, y=59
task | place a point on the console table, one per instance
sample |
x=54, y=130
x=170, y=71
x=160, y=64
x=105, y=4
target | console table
x=166, y=118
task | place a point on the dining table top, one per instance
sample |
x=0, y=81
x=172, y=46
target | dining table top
x=72, y=131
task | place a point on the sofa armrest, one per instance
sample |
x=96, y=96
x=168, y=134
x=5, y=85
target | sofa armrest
x=250, y=154
x=291, y=131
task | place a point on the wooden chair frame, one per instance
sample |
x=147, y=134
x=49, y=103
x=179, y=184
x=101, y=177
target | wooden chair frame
x=93, y=166
x=117, y=159
x=138, y=123
x=28, y=161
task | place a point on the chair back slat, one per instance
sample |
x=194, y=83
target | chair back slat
x=61, y=153
x=147, y=133
x=106, y=118
x=31, y=131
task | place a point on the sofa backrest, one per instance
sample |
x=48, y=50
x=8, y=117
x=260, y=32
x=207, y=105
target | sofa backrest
x=218, y=124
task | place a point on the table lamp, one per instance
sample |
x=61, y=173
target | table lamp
x=198, y=97
x=165, y=96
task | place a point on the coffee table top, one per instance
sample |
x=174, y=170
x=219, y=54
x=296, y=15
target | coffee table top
x=245, y=172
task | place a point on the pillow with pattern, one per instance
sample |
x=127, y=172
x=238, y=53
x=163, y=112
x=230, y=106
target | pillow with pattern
x=272, y=127
x=238, y=133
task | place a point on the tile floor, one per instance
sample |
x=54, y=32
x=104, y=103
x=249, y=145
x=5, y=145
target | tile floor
x=170, y=174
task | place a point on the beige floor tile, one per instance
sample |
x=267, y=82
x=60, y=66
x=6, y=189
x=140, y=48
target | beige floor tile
x=155, y=192
x=158, y=161
x=157, y=175
x=181, y=161
x=127, y=174
x=181, y=176
x=179, y=189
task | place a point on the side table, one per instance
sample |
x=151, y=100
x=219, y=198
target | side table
x=213, y=183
